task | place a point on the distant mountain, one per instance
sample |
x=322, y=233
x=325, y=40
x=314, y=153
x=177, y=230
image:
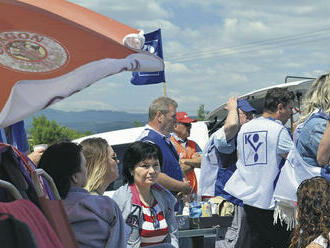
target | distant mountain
x=95, y=121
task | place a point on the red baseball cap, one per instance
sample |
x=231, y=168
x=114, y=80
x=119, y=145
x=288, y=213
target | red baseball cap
x=183, y=117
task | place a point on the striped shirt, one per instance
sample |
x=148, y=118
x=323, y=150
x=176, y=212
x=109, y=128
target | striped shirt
x=154, y=227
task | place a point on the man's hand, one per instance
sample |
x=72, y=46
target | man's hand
x=231, y=103
x=232, y=123
x=36, y=155
x=196, y=155
x=186, y=189
x=186, y=168
x=189, y=164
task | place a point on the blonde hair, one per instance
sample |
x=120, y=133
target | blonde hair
x=95, y=151
x=317, y=97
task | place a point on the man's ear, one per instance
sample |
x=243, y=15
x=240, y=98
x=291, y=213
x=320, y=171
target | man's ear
x=159, y=116
x=280, y=107
x=74, y=179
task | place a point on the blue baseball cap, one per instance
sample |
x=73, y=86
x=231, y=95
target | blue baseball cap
x=245, y=106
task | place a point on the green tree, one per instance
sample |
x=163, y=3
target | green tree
x=201, y=113
x=44, y=131
x=138, y=123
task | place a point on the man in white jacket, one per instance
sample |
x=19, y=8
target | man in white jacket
x=262, y=145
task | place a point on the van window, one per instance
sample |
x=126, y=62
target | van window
x=119, y=150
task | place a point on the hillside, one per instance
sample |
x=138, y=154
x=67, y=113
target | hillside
x=94, y=121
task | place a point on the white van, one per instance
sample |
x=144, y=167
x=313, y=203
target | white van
x=121, y=139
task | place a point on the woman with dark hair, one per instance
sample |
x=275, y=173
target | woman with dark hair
x=313, y=208
x=96, y=220
x=147, y=207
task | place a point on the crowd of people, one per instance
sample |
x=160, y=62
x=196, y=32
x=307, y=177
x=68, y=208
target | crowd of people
x=278, y=180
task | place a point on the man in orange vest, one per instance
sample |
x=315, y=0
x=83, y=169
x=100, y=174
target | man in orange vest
x=188, y=150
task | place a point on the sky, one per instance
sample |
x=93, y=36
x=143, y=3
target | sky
x=213, y=49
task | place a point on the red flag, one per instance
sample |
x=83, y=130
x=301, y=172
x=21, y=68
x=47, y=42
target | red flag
x=51, y=49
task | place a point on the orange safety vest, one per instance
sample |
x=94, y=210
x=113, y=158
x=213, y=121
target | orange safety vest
x=187, y=153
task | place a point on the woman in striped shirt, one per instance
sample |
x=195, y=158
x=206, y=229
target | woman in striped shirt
x=147, y=207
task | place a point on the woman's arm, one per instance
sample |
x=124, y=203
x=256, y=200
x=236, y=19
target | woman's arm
x=323, y=153
x=117, y=235
x=173, y=229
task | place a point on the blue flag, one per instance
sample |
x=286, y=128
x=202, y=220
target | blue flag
x=153, y=44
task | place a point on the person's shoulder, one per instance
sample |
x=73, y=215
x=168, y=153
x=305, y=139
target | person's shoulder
x=159, y=188
x=315, y=123
x=145, y=133
x=98, y=203
x=121, y=190
x=75, y=195
x=269, y=122
x=210, y=144
x=122, y=194
x=81, y=206
x=165, y=194
x=149, y=135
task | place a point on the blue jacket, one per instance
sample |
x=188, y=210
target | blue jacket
x=310, y=136
x=96, y=220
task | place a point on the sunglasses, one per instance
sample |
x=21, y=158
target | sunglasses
x=249, y=115
x=114, y=157
x=188, y=125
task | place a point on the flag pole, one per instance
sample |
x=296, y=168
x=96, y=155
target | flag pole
x=164, y=84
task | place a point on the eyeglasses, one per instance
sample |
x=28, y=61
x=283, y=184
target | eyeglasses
x=114, y=157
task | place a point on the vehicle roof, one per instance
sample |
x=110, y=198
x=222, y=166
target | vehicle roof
x=125, y=136
x=256, y=98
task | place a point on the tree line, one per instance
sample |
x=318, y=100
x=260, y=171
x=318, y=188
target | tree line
x=44, y=131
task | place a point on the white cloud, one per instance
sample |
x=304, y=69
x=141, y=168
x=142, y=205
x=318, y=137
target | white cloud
x=83, y=105
x=305, y=10
x=230, y=23
x=168, y=28
x=258, y=26
x=174, y=48
x=239, y=78
x=176, y=68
